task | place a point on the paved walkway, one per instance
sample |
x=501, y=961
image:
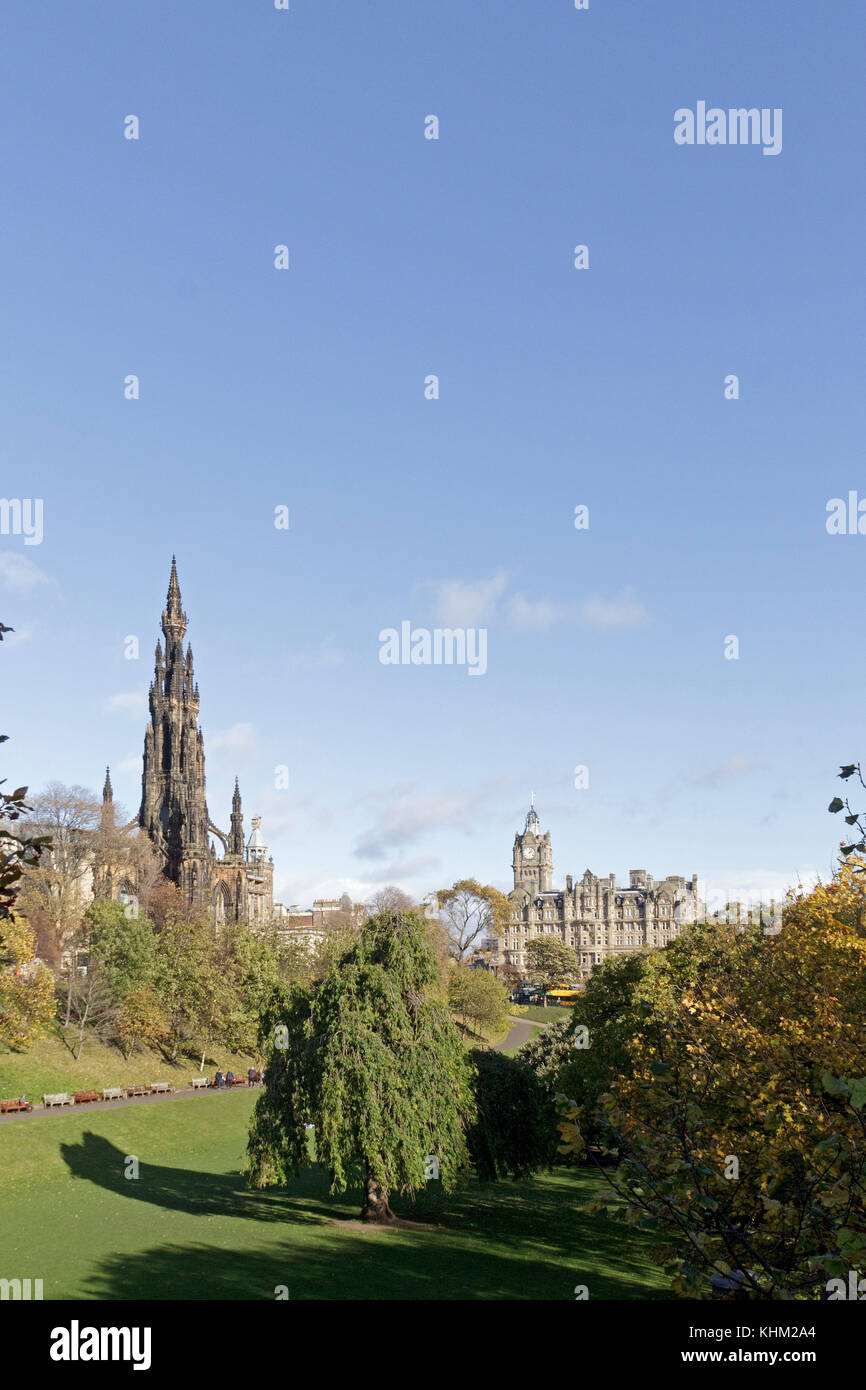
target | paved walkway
x=521, y=1032
x=39, y=1110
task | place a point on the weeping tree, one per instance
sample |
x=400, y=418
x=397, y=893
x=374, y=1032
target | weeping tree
x=371, y=1058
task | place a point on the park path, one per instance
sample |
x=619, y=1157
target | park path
x=520, y=1032
x=39, y=1111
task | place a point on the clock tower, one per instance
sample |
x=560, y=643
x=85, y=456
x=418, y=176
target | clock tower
x=532, y=860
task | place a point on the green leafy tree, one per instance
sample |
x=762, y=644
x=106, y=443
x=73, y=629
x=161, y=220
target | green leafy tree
x=514, y=1132
x=248, y=962
x=372, y=1059
x=183, y=964
x=478, y=999
x=124, y=944
x=551, y=962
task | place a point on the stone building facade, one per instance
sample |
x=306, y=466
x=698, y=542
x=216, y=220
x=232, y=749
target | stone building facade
x=174, y=813
x=596, y=916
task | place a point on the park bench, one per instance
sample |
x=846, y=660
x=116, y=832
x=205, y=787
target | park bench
x=84, y=1097
x=56, y=1098
x=239, y=1081
x=160, y=1088
x=136, y=1090
x=200, y=1082
x=112, y=1093
x=9, y=1107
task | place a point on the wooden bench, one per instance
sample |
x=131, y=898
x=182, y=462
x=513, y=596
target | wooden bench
x=112, y=1093
x=84, y=1097
x=239, y=1081
x=9, y=1107
x=57, y=1098
x=159, y=1088
x=136, y=1090
x=200, y=1082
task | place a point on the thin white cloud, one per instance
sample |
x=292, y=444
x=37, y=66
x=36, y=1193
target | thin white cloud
x=239, y=738
x=467, y=603
x=751, y=887
x=20, y=572
x=534, y=615
x=621, y=612
x=470, y=603
x=736, y=766
x=404, y=819
x=133, y=702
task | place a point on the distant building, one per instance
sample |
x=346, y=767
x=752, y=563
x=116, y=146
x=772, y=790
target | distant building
x=596, y=916
x=311, y=925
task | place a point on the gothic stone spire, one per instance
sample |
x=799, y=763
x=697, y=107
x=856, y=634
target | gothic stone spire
x=236, y=834
x=173, y=804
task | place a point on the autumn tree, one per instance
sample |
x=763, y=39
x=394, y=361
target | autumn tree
x=89, y=1005
x=27, y=1005
x=470, y=911
x=140, y=1018
x=740, y=1117
x=58, y=885
x=371, y=1058
x=389, y=899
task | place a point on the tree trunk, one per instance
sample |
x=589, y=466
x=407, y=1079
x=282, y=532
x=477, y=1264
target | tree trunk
x=375, y=1206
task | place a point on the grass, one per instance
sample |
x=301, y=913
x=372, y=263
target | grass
x=49, y=1065
x=189, y=1228
x=552, y=1014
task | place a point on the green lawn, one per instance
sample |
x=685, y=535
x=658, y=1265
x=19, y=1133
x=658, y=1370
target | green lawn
x=552, y=1014
x=189, y=1228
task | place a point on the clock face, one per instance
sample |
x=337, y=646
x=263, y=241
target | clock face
x=529, y=853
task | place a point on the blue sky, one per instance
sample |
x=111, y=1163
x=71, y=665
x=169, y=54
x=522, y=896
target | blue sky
x=558, y=387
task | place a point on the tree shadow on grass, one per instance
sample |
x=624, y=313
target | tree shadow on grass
x=497, y=1241
x=341, y=1265
x=95, y=1159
